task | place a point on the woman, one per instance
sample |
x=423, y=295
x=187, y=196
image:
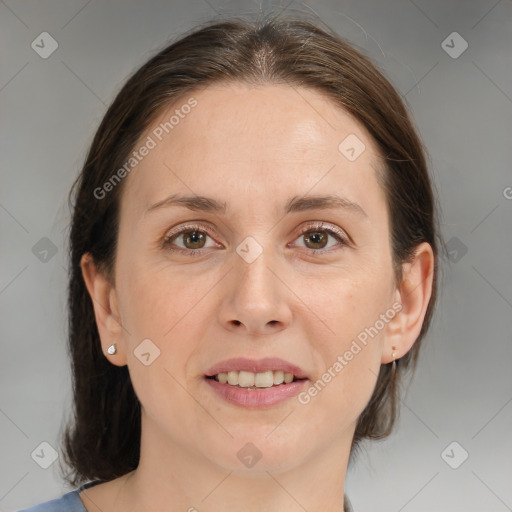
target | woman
x=253, y=267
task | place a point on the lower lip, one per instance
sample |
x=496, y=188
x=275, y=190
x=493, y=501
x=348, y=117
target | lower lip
x=257, y=398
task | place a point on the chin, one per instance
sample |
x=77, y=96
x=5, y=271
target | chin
x=259, y=451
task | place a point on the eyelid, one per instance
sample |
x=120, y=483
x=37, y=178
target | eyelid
x=180, y=230
x=188, y=227
x=343, y=236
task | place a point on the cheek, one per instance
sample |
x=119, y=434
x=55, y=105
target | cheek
x=161, y=309
x=346, y=333
x=349, y=365
x=169, y=310
x=342, y=397
x=343, y=306
x=156, y=301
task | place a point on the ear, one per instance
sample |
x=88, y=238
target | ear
x=104, y=299
x=414, y=295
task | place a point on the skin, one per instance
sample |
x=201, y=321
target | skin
x=254, y=148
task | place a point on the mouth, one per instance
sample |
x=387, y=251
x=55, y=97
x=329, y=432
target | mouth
x=260, y=373
x=256, y=383
x=251, y=380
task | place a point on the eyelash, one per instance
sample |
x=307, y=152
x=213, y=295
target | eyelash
x=167, y=241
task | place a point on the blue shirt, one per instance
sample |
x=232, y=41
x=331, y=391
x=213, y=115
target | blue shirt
x=69, y=502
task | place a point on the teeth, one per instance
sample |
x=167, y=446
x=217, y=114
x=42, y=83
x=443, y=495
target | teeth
x=233, y=378
x=279, y=377
x=245, y=379
x=264, y=379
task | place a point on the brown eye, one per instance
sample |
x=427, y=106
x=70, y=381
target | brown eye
x=190, y=240
x=318, y=239
x=193, y=239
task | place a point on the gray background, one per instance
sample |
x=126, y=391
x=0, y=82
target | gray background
x=463, y=108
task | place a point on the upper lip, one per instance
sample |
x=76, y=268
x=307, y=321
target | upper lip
x=256, y=366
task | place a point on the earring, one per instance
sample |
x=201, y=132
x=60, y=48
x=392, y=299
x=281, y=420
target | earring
x=393, y=366
x=112, y=349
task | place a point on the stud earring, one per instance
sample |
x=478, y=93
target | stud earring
x=112, y=349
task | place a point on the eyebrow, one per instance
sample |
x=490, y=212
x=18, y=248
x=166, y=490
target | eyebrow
x=294, y=204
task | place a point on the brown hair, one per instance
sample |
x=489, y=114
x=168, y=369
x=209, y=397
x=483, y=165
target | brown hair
x=102, y=440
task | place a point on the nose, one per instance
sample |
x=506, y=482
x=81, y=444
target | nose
x=257, y=298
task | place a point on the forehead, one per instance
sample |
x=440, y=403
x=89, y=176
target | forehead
x=232, y=138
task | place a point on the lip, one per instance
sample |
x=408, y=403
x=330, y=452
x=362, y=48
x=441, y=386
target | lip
x=256, y=366
x=257, y=398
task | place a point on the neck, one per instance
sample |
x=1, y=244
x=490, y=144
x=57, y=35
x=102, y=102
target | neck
x=171, y=477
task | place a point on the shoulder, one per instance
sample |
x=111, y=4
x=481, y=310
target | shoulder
x=69, y=502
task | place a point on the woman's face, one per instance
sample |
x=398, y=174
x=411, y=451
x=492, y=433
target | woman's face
x=251, y=282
